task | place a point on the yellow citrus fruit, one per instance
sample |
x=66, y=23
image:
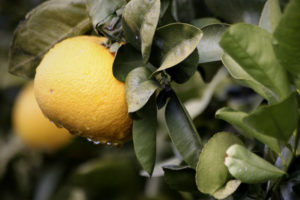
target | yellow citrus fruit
x=33, y=127
x=75, y=87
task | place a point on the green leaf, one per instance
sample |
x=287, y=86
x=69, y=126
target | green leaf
x=237, y=72
x=211, y=173
x=46, y=25
x=139, y=88
x=144, y=135
x=176, y=42
x=248, y=167
x=279, y=120
x=182, y=131
x=183, y=71
x=106, y=15
x=286, y=41
x=236, y=118
x=208, y=48
x=140, y=18
x=236, y=10
x=205, y=21
x=127, y=59
x=270, y=15
x=230, y=187
x=256, y=58
x=180, y=178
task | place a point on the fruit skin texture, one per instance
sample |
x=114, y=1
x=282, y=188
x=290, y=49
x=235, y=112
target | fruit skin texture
x=75, y=87
x=33, y=127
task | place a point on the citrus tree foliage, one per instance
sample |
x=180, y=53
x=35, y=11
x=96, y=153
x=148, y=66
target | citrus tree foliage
x=251, y=151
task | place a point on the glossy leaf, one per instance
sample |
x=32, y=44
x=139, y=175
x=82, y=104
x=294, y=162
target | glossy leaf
x=205, y=21
x=182, y=131
x=183, y=71
x=248, y=167
x=139, y=88
x=176, y=42
x=230, y=187
x=208, y=48
x=144, y=135
x=180, y=178
x=127, y=59
x=236, y=10
x=270, y=15
x=237, y=72
x=46, y=25
x=211, y=173
x=256, y=58
x=140, y=18
x=279, y=120
x=106, y=16
x=286, y=41
x=236, y=118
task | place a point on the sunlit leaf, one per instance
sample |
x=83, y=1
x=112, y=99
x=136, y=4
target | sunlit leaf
x=144, y=135
x=139, y=88
x=279, y=120
x=236, y=119
x=205, y=21
x=140, y=18
x=256, y=58
x=286, y=41
x=230, y=187
x=182, y=131
x=46, y=25
x=176, y=42
x=211, y=173
x=248, y=167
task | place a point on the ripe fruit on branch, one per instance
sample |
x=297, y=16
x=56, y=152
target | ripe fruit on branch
x=75, y=87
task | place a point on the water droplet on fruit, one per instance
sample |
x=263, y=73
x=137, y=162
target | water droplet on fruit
x=96, y=142
x=108, y=143
x=89, y=139
x=136, y=37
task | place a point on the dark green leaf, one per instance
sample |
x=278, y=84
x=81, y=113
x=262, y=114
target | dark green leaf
x=236, y=119
x=176, y=42
x=139, y=88
x=279, y=120
x=248, y=167
x=127, y=59
x=286, y=41
x=140, y=18
x=270, y=15
x=211, y=173
x=208, y=48
x=47, y=24
x=180, y=178
x=237, y=72
x=183, y=15
x=256, y=58
x=182, y=72
x=236, y=10
x=205, y=21
x=230, y=187
x=106, y=16
x=144, y=135
x=182, y=131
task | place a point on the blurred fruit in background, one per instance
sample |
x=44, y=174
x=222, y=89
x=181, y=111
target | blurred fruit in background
x=33, y=127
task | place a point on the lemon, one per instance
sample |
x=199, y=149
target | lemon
x=33, y=127
x=75, y=87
